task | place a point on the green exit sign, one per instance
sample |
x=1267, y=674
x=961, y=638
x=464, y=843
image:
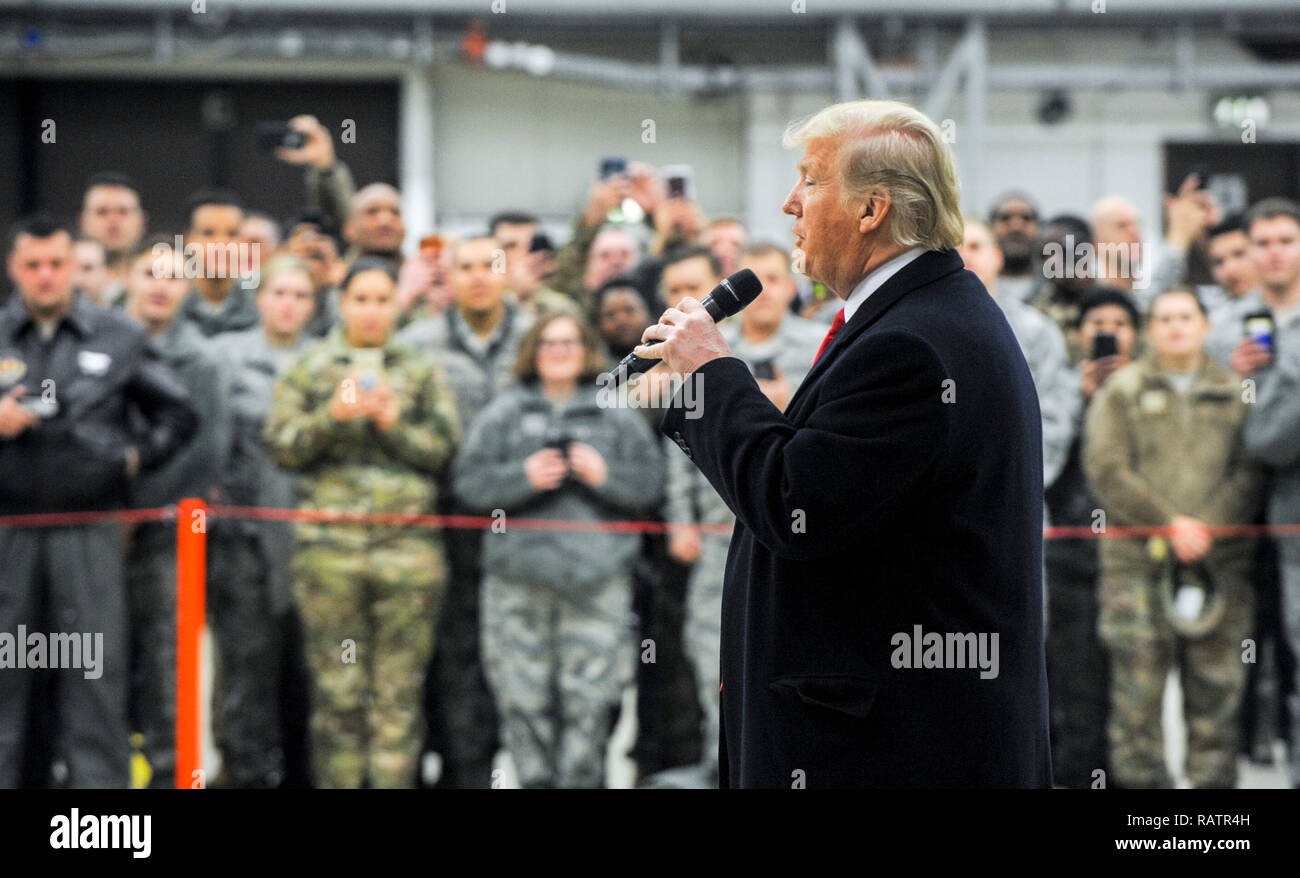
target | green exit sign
x=1230, y=111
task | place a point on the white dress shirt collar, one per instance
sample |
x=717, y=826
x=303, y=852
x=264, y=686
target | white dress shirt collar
x=876, y=280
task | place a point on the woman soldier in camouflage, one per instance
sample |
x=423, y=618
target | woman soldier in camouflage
x=557, y=645
x=368, y=424
x=1163, y=447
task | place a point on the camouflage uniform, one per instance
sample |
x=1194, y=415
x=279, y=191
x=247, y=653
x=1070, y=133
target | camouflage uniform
x=461, y=715
x=370, y=595
x=249, y=568
x=692, y=499
x=151, y=554
x=557, y=643
x=1153, y=453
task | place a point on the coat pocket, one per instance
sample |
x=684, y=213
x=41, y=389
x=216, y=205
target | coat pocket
x=845, y=693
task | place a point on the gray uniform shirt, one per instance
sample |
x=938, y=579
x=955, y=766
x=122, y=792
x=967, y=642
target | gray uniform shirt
x=1272, y=431
x=1057, y=385
x=478, y=369
x=792, y=347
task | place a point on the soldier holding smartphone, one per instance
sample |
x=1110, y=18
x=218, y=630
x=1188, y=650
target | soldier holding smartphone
x=1272, y=431
x=1108, y=333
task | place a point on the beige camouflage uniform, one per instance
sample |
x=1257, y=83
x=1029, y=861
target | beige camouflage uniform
x=1152, y=453
x=370, y=595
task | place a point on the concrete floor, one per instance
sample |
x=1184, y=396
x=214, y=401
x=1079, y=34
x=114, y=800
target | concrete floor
x=621, y=771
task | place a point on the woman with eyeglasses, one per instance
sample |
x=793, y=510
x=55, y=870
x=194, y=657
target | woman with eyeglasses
x=558, y=646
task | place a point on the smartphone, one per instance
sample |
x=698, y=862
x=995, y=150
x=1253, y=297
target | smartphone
x=1202, y=176
x=559, y=442
x=1104, y=345
x=612, y=166
x=275, y=135
x=42, y=408
x=680, y=180
x=764, y=371
x=1258, y=326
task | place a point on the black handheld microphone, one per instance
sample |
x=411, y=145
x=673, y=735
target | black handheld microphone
x=727, y=298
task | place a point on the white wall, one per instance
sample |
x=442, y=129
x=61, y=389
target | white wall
x=509, y=140
x=1112, y=144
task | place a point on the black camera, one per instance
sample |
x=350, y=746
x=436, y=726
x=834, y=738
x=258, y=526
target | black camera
x=1104, y=345
x=559, y=441
x=612, y=166
x=278, y=135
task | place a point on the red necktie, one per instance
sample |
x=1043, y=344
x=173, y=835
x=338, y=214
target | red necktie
x=835, y=327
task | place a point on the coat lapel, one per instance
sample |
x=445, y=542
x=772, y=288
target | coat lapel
x=925, y=269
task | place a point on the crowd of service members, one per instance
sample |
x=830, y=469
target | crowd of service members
x=324, y=371
x=1167, y=378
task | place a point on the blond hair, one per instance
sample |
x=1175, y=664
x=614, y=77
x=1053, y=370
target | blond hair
x=896, y=148
x=282, y=263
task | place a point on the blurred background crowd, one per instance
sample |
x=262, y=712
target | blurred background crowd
x=292, y=324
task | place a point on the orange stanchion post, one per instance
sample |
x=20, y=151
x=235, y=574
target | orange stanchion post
x=191, y=582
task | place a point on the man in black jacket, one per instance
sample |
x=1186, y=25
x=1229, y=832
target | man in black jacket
x=882, y=620
x=72, y=373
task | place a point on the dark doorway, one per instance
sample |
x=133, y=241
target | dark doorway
x=1239, y=174
x=177, y=136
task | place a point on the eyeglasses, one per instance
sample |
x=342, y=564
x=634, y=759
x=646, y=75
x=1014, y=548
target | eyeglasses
x=560, y=343
x=1008, y=216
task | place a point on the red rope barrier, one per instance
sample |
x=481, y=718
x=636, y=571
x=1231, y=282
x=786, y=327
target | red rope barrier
x=1217, y=530
x=485, y=522
x=192, y=516
x=64, y=519
x=454, y=522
